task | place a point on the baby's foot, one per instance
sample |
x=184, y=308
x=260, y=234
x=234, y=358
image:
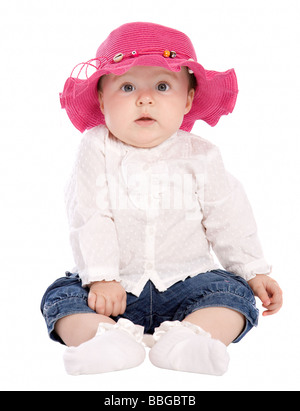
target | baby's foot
x=186, y=347
x=115, y=347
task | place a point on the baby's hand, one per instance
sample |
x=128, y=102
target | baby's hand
x=107, y=298
x=268, y=291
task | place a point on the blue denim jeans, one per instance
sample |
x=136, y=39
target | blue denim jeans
x=217, y=288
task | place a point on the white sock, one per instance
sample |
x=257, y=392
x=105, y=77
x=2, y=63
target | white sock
x=115, y=347
x=186, y=347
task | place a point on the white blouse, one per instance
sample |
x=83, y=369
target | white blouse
x=139, y=214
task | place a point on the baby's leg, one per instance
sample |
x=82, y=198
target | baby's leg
x=90, y=353
x=198, y=344
x=219, y=308
x=97, y=344
x=221, y=323
x=78, y=328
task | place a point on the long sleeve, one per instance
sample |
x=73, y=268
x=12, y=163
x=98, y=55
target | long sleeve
x=92, y=230
x=229, y=222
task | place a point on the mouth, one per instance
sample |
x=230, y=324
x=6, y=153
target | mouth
x=145, y=121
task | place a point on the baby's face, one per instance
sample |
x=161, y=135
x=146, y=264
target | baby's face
x=146, y=105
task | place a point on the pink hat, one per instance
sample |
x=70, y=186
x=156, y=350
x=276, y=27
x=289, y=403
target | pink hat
x=148, y=44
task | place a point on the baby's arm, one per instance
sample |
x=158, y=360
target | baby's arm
x=107, y=298
x=229, y=222
x=231, y=230
x=268, y=291
x=93, y=233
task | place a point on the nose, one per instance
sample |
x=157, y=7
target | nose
x=145, y=98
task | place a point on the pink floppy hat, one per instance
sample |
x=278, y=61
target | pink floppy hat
x=147, y=44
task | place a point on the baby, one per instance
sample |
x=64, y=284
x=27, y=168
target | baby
x=148, y=202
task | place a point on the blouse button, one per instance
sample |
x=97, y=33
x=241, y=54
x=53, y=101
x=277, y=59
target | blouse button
x=149, y=266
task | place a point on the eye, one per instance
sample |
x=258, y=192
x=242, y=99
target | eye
x=163, y=87
x=128, y=88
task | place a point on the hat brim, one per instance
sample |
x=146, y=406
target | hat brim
x=215, y=94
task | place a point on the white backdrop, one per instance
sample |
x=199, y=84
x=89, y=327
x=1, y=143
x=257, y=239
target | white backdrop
x=41, y=41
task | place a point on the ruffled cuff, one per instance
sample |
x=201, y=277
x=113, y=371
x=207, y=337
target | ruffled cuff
x=249, y=271
x=136, y=331
x=93, y=275
x=167, y=325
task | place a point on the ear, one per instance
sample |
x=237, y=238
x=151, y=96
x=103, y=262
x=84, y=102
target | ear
x=100, y=98
x=189, y=100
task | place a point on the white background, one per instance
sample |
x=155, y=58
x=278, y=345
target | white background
x=41, y=41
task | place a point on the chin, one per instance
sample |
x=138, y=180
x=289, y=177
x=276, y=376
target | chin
x=144, y=145
x=150, y=144
x=143, y=141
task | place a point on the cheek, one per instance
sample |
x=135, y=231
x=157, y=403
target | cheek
x=116, y=108
x=107, y=107
x=112, y=121
x=116, y=116
x=176, y=111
